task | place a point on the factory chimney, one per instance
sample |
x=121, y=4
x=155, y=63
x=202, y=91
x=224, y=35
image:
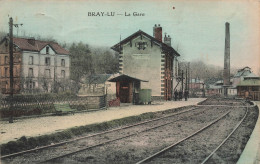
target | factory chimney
x=157, y=32
x=167, y=40
x=226, y=73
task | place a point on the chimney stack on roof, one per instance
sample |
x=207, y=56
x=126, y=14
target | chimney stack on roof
x=31, y=41
x=167, y=40
x=157, y=32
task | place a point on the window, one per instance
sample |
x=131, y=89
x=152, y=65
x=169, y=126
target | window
x=30, y=85
x=141, y=45
x=48, y=73
x=6, y=59
x=47, y=61
x=6, y=72
x=47, y=50
x=30, y=72
x=14, y=71
x=62, y=73
x=31, y=60
x=6, y=85
x=63, y=62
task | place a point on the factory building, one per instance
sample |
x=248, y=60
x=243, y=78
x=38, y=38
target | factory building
x=147, y=57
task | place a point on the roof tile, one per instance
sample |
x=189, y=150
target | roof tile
x=24, y=44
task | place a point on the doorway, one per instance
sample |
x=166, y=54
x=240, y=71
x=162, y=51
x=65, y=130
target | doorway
x=124, y=92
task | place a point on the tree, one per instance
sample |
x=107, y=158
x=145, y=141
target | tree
x=81, y=61
x=105, y=62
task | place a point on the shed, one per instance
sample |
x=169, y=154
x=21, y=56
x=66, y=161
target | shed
x=249, y=88
x=127, y=88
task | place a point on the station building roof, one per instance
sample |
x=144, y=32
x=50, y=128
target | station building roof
x=164, y=46
x=127, y=78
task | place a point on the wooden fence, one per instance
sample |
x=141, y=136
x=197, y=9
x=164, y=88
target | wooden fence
x=35, y=105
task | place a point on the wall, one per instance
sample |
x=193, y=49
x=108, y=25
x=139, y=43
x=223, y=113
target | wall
x=5, y=80
x=143, y=64
x=39, y=67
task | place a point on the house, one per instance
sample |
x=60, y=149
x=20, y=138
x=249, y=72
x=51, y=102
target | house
x=241, y=73
x=216, y=88
x=98, y=84
x=147, y=57
x=38, y=65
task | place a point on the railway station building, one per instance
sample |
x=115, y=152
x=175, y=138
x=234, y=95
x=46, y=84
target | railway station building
x=152, y=59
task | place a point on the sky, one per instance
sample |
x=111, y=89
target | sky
x=197, y=28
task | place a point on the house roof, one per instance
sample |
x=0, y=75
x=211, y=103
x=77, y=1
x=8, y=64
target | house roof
x=24, y=44
x=252, y=76
x=250, y=82
x=99, y=78
x=165, y=47
x=243, y=72
x=124, y=77
x=215, y=86
x=198, y=81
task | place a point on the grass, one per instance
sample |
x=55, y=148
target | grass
x=25, y=143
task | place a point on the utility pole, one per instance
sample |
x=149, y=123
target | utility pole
x=186, y=80
x=203, y=91
x=189, y=77
x=11, y=58
x=182, y=81
x=11, y=65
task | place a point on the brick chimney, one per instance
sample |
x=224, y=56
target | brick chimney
x=157, y=32
x=31, y=41
x=226, y=77
x=167, y=40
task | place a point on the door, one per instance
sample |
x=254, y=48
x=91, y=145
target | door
x=124, y=92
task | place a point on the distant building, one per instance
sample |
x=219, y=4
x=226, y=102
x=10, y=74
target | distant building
x=196, y=87
x=244, y=80
x=241, y=73
x=38, y=65
x=215, y=89
x=249, y=87
x=149, y=58
x=98, y=84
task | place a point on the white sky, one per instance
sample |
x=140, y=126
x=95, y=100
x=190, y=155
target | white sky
x=198, y=28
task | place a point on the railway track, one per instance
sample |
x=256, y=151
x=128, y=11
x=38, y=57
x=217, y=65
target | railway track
x=172, y=146
x=93, y=135
x=119, y=138
x=152, y=127
x=54, y=159
x=109, y=141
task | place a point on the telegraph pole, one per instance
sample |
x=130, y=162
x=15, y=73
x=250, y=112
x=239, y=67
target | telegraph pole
x=11, y=58
x=182, y=81
x=11, y=65
x=186, y=80
x=189, y=77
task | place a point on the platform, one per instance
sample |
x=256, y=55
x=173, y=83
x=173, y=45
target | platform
x=45, y=125
x=251, y=153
